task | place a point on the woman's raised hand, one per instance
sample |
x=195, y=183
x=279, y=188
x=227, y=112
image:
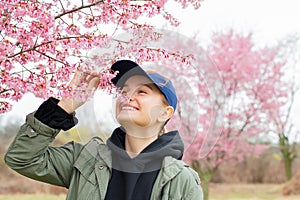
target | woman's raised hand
x=83, y=85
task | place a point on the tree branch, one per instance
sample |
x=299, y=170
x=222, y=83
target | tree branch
x=289, y=110
x=5, y=90
x=62, y=6
x=45, y=43
x=44, y=54
x=78, y=8
x=244, y=125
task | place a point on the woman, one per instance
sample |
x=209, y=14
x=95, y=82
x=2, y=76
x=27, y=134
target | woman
x=139, y=161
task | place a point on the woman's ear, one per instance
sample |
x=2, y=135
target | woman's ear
x=166, y=114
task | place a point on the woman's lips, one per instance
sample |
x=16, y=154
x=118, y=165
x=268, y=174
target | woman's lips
x=129, y=107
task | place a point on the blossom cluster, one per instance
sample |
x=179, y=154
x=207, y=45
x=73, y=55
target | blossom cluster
x=42, y=42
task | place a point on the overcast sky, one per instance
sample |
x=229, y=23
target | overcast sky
x=268, y=19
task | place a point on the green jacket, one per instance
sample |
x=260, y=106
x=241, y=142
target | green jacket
x=85, y=169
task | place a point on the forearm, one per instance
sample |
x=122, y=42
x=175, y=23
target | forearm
x=30, y=153
x=26, y=154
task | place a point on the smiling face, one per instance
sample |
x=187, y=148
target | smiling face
x=145, y=105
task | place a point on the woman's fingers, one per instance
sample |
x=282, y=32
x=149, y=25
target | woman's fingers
x=81, y=77
x=76, y=78
x=84, y=85
x=92, y=83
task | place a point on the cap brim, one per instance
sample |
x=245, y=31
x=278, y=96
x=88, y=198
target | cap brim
x=126, y=69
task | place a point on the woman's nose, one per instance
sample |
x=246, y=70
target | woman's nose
x=127, y=96
x=131, y=94
x=130, y=97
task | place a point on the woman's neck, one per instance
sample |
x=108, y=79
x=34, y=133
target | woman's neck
x=137, y=140
x=134, y=146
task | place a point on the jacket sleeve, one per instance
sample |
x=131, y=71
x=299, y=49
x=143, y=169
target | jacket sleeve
x=52, y=115
x=195, y=191
x=30, y=154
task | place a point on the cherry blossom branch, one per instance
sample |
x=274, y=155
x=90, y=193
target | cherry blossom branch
x=289, y=110
x=281, y=125
x=246, y=122
x=45, y=43
x=50, y=57
x=62, y=6
x=5, y=90
x=78, y=8
x=175, y=54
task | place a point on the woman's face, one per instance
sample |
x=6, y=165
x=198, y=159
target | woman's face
x=143, y=104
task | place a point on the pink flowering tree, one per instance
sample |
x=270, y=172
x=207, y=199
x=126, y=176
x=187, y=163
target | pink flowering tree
x=42, y=42
x=279, y=108
x=251, y=79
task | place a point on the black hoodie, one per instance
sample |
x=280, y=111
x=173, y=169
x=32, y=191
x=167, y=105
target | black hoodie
x=133, y=178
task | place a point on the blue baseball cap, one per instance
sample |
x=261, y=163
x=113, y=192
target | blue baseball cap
x=128, y=68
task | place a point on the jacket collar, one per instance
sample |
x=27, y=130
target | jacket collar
x=170, y=166
x=150, y=159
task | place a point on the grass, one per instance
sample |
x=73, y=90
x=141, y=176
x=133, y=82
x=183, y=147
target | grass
x=32, y=197
x=249, y=192
x=217, y=192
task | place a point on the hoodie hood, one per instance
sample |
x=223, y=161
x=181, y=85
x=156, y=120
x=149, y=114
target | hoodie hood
x=150, y=159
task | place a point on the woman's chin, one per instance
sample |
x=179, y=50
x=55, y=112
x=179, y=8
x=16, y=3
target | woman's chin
x=124, y=117
x=129, y=121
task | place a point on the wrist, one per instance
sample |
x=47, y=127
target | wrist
x=67, y=105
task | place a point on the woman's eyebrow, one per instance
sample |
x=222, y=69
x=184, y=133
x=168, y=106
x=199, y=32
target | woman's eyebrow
x=147, y=85
x=142, y=84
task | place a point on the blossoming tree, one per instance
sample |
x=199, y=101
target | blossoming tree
x=280, y=107
x=43, y=41
x=251, y=77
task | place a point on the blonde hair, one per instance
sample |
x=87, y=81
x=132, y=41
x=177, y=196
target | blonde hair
x=164, y=100
x=163, y=131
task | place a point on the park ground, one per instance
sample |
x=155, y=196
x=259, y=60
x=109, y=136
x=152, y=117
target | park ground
x=217, y=192
x=248, y=191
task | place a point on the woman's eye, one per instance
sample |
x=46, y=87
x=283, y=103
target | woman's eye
x=142, y=92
